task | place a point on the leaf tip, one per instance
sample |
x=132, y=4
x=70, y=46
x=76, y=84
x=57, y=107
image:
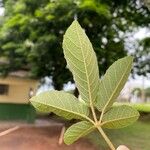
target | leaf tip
x=75, y=21
x=130, y=58
x=66, y=139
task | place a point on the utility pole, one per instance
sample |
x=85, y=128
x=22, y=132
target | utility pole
x=143, y=89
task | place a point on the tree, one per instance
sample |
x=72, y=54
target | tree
x=142, y=57
x=31, y=33
x=137, y=92
x=142, y=93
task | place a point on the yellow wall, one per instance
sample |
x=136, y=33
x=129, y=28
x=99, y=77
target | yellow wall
x=18, y=91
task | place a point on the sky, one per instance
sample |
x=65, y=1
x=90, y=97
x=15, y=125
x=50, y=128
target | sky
x=1, y=11
x=142, y=33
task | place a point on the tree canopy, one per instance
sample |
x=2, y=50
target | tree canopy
x=31, y=33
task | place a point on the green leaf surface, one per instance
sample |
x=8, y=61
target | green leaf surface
x=61, y=103
x=119, y=117
x=82, y=62
x=112, y=83
x=77, y=131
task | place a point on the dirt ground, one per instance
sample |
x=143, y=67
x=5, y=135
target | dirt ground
x=39, y=138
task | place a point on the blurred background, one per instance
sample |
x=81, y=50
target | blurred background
x=32, y=61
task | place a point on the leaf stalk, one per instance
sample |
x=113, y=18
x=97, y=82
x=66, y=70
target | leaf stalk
x=101, y=116
x=106, y=138
x=93, y=113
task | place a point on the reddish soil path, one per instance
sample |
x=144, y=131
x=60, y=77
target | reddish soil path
x=39, y=138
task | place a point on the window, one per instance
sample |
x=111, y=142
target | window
x=3, y=89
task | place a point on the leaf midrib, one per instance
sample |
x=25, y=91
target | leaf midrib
x=75, y=113
x=84, y=132
x=87, y=77
x=105, y=122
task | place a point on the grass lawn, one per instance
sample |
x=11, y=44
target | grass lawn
x=136, y=136
x=141, y=107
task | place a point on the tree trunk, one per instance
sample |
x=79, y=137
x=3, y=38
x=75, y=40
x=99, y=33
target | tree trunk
x=76, y=92
x=57, y=85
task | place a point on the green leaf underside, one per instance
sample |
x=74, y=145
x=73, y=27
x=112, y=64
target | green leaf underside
x=112, y=82
x=119, y=117
x=77, y=131
x=62, y=104
x=82, y=62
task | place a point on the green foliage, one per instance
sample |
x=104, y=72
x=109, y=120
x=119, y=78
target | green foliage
x=60, y=103
x=36, y=30
x=119, y=116
x=116, y=76
x=77, y=130
x=82, y=62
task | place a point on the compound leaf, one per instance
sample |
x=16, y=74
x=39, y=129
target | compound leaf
x=77, y=131
x=82, y=62
x=61, y=103
x=119, y=117
x=112, y=83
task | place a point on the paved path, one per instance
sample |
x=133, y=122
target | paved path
x=38, y=123
x=43, y=135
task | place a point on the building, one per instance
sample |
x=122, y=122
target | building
x=15, y=91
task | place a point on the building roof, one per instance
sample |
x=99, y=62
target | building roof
x=19, y=73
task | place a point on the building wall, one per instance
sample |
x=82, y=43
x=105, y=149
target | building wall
x=14, y=112
x=18, y=91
